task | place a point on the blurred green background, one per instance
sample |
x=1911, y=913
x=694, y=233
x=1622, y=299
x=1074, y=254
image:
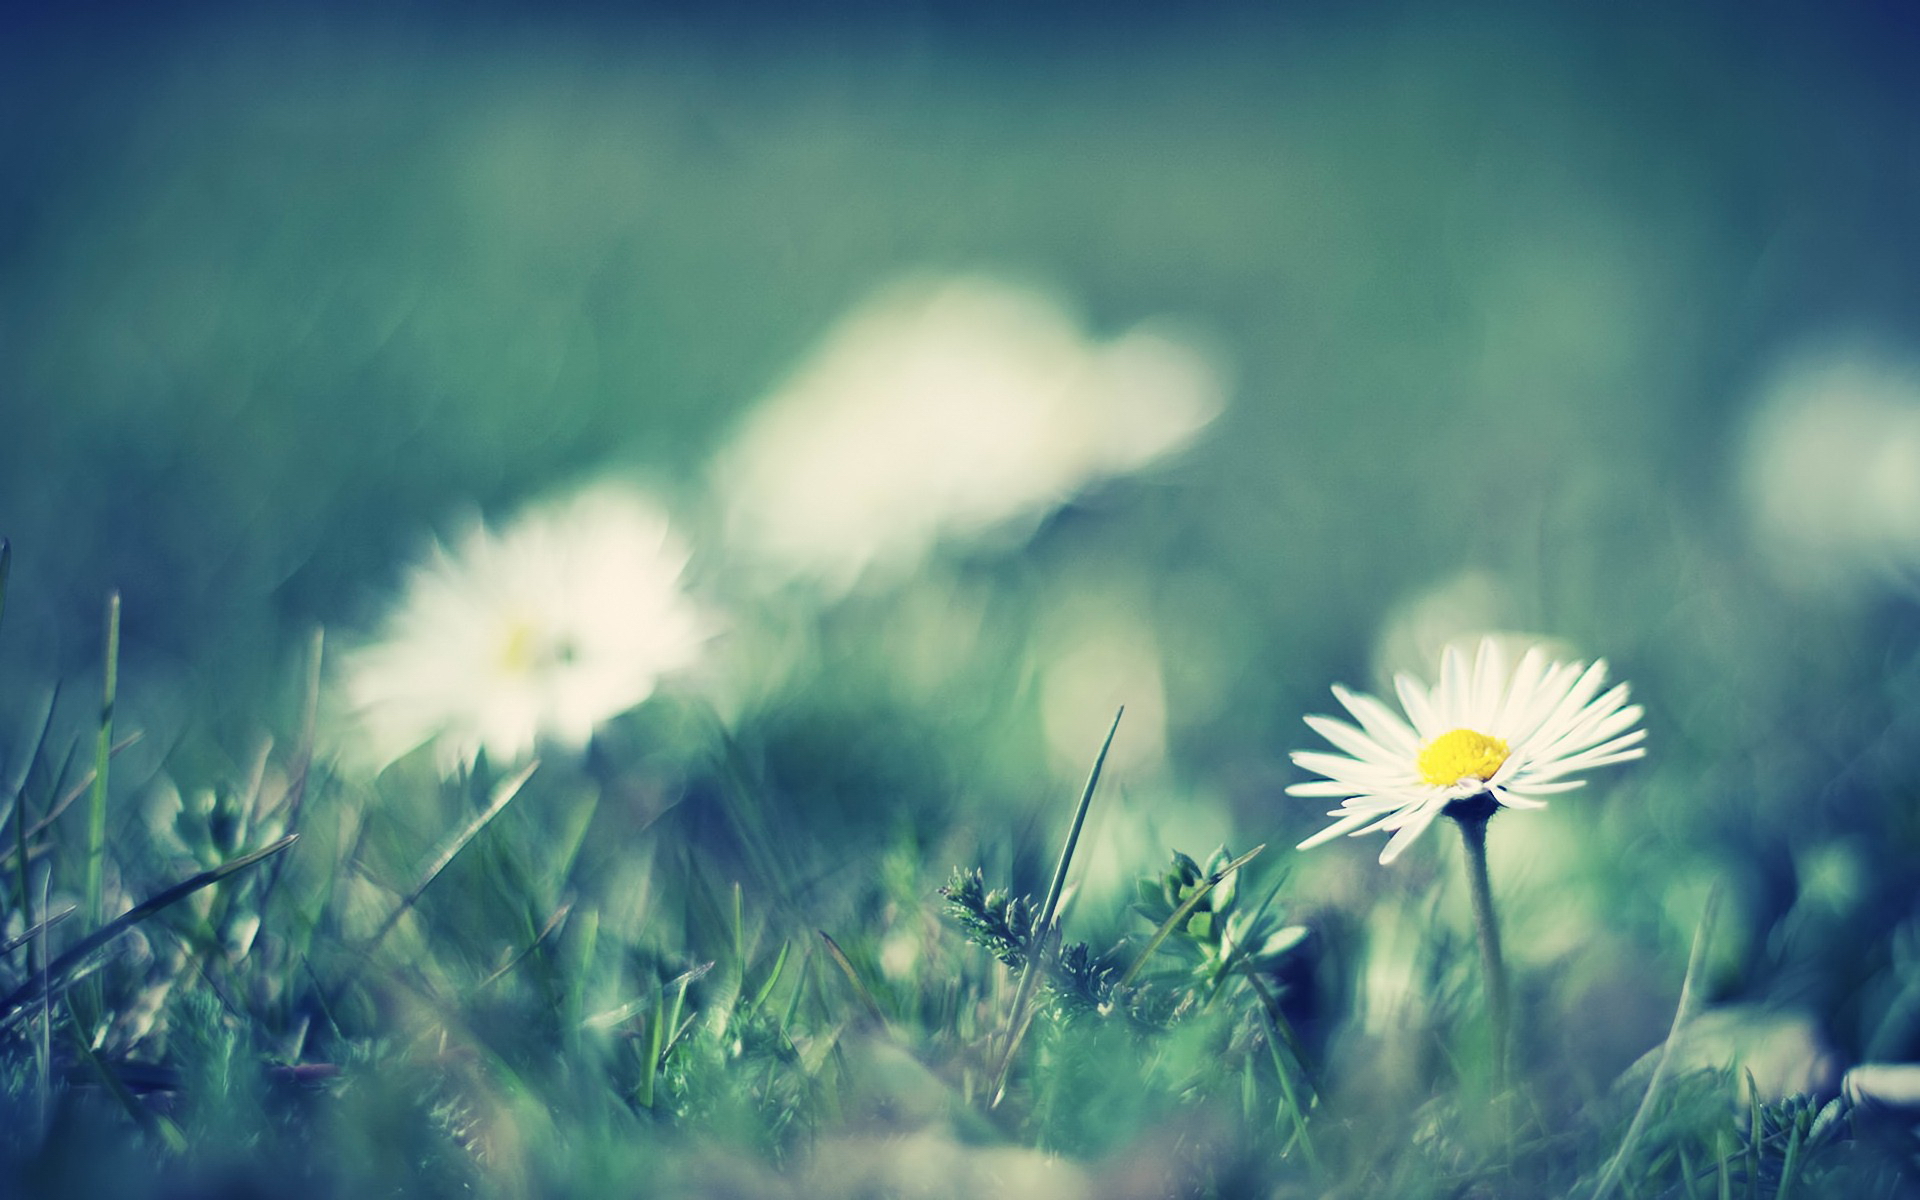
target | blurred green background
x=1502, y=289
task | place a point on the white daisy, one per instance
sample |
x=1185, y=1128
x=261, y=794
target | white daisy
x=565, y=617
x=948, y=408
x=1515, y=738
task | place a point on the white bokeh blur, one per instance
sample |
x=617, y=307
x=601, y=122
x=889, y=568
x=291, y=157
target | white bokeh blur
x=1830, y=473
x=1458, y=611
x=948, y=408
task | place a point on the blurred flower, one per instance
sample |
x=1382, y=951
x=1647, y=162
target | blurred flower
x=1514, y=737
x=567, y=616
x=930, y=1163
x=1884, y=1085
x=1784, y=1052
x=1459, y=610
x=946, y=408
x=1832, y=466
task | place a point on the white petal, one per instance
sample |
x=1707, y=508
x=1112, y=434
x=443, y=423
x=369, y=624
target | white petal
x=1526, y=678
x=1324, y=787
x=1334, y=830
x=1455, y=686
x=1619, y=749
x=1379, y=721
x=1509, y=799
x=1568, y=710
x=1415, y=699
x=1390, y=821
x=1531, y=787
x=1354, y=742
x=1335, y=766
x=1594, y=714
x=1489, y=674
x=1413, y=828
x=1540, y=705
x=1376, y=803
x=1589, y=734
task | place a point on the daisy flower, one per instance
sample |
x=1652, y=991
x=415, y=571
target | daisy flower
x=1513, y=738
x=946, y=409
x=565, y=617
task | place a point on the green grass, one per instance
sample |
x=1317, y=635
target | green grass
x=501, y=986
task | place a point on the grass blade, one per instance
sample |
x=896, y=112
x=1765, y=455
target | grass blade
x=67, y=798
x=33, y=932
x=665, y=1028
x=656, y=1033
x=1696, y=961
x=1790, y=1168
x=18, y=788
x=35, y=954
x=1043, y=928
x=615, y=1017
x=1052, y=902
x=57, y=973
x=1280, y=1033
x=302, y=767
x=156, y=1125
x=503, y=794
x=739, y=933
x=1186, y=908
x=103, y=745
x=773, y=977
x=540, y=936
x=860, y=989
x=43, y=1045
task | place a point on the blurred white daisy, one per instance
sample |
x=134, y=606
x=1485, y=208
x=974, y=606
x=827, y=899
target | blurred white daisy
x=947, y=408
x=565, y=617
x=1516, y=737
x=1831, y=469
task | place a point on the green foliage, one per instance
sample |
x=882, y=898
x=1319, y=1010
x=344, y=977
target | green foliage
x=474, y=985
x=999, y=923
x=1218, y=934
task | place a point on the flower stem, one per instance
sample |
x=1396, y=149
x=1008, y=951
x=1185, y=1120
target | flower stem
x=1472, y=816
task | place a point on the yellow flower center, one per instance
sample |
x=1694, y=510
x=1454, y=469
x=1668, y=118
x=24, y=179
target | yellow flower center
x=1461, y=754
x=528, y=648
x=521, y=653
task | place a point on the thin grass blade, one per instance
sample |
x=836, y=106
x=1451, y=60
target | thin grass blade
x=545, y=931
x=503, y=795
x=103, y=745
x=57, y=973
x=859, y=988
x=655, y=1039
x=1696, y=962
x=34, y=931
x=773, y=977
x=43, y=1045
x=70, y=797
x=302, y=767
x=1043, y=933
x=21, y=835
x=614, y=1017
x=1186, y=908
x=157, y=1125
x=1790, y=1166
